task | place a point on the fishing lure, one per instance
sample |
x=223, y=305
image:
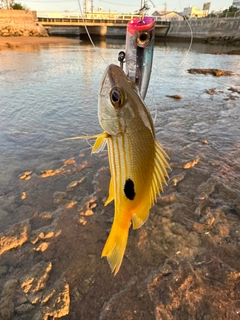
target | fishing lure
x=139, y=51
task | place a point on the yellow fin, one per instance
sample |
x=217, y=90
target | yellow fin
x=158, y=177
x=159, y=172
x=141, y=216
x=100, y=142
x=111, y=193
x=115, y=247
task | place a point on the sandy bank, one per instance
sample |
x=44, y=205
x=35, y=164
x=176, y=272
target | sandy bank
x=15, y=42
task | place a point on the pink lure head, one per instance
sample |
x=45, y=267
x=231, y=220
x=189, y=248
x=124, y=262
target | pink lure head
x=139, y=24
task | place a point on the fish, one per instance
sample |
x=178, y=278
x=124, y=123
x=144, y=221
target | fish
x=137, y=161
x=139, y=51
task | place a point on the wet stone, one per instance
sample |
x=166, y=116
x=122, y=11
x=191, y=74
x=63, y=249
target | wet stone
x=223, y=230
x=3, y=214
x=6, y=300
x=24, y=308
x=56, y=300
x=3, y=270
x=60, y=197
x=16, y=236
x=37, y=278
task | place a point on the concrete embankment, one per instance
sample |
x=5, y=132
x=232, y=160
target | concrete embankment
x=20, y=23
x=210, y=30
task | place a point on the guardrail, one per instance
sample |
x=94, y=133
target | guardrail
x=92, y=16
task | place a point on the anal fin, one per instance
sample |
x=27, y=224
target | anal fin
x=111, y=193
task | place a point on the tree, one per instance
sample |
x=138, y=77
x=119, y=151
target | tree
x=230, y=12
x=18, y=6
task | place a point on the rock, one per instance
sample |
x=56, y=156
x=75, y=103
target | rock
x=15, y=236
x=39, y=316
x=10, y=28
x=24, y=308
x=213, y=72
x=59, y=197
x=37, y=278
x=6, y=300
x=3, y=270
x=175, y=96
x=56, y=300
x=3, y=214
x=191, y=164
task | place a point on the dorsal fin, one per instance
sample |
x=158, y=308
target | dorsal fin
x=158, y=177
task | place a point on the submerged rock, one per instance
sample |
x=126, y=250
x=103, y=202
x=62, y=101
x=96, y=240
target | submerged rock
x=6, y=300
x=213, y=72
x=16, y=236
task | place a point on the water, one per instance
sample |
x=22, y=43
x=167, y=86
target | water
x=51, y=93
x=191, y=239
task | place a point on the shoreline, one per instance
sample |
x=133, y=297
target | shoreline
x=15, y=42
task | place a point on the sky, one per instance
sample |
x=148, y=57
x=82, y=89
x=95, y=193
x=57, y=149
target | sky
x=121, y=6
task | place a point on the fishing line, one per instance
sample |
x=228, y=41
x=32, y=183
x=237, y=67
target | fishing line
x=191, y=36
x=191, y=41
x=89, y=36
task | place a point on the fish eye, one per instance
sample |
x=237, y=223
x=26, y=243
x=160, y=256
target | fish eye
x=143, y=38
x=116, y=97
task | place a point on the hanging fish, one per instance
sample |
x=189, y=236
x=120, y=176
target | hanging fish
x=139, y=51
x=137, y=160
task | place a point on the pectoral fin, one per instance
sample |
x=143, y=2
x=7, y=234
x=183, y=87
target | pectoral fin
x=99, y=143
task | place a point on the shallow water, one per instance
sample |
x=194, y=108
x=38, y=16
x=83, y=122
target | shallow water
x=51, y=93
x=184, y=262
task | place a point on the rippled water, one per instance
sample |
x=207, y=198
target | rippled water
x=49, y=93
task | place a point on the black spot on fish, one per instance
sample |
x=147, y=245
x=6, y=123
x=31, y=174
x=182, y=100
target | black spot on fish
x=129, y=189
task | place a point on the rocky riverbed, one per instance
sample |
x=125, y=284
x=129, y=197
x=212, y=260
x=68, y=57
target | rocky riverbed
x=177, y=266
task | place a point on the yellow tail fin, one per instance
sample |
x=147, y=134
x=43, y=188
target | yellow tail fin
x=115, y=247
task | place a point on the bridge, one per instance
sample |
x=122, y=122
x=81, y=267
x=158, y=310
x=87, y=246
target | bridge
x=110, y=25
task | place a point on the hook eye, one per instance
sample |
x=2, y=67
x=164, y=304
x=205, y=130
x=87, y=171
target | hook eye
x=116, y=97
x=143, y=38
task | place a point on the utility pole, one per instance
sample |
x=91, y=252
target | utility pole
x=85, y=7
x=165, y=6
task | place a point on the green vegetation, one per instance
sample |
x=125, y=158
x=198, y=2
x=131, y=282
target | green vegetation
x=18, y=6
x=227, y=13
x=231, y=12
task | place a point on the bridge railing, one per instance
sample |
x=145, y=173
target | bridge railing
x=92, y=16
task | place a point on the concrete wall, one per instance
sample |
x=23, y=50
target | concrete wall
x=20, y=23
x=212, y=30
x=64, y=31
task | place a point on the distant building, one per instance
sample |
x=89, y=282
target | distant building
x=167, y=16
x=194, y=12
x=236, y=4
